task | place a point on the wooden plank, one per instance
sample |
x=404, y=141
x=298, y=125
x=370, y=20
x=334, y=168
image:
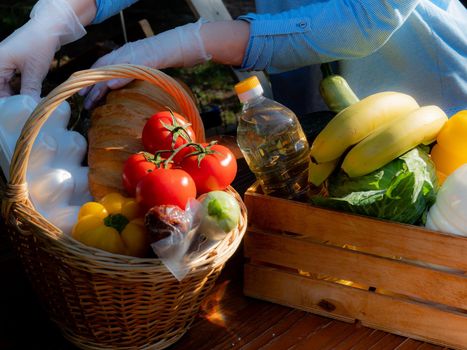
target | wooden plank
x=372, y=271
x=368, y=341
x=212, y=10
x=146, y=28
x=388, y=342
x=309, y=324
x=215, y=10
x=367, y=234
x=428, y=347
x=232, y=320
x=246, y=332
x=357, y=336
x=326, y=337
x=398, y=316
x=276, y=330
x=409, y=344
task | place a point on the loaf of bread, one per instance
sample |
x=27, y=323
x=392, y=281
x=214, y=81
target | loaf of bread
x=115, y=132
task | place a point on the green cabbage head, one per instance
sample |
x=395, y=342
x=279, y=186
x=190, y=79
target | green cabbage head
x=402, y=190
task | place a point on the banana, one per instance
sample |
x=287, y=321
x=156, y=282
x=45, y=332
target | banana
x=318, y=172
x=388, y=142
x=357, y=121
x=338, y=95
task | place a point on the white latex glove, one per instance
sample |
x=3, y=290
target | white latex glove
x=178, y=47
x=30, y=49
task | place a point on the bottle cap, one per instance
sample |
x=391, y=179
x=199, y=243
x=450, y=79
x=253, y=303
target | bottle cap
x=248, y=88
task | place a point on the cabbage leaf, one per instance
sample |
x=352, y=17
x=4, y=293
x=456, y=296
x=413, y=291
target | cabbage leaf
x=402, y=190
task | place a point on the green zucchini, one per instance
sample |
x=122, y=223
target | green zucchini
x=335, y=91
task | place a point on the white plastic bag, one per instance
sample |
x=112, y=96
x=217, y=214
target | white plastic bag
x=184, y=244
x=57, y=182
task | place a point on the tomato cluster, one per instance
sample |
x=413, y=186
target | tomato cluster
x=174, y=167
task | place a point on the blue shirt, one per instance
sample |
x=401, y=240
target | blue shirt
x=414, y=46
x=108, y=8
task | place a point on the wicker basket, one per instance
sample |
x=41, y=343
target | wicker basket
x=101, y=300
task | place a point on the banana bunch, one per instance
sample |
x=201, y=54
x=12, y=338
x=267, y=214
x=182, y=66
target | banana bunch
x=376, y=129
x=338, y=95
x=420, y=126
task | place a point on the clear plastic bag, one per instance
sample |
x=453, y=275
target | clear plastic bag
x=183, y=244
x=182, y=237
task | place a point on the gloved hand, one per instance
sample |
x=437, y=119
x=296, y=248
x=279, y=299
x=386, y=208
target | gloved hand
x=178, y=47
x=31, y=48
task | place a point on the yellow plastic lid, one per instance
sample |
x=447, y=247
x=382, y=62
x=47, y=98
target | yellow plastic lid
x=247, y=84
x=248, y=89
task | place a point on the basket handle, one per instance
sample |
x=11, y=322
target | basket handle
x=16, y=190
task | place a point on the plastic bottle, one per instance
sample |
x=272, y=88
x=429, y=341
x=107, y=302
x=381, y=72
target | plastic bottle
x=272, y=142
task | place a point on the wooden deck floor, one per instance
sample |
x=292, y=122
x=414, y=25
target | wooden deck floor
x=227, y=320
x=239, y=322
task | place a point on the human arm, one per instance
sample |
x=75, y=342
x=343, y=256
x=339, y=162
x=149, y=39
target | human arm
x=316, y=33
x=30, y=49
x=224, y=42
x=322, y=32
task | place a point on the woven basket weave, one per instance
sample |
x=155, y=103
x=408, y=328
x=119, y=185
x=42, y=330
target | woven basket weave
x=101, y=300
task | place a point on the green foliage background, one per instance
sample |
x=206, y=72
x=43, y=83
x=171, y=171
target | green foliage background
x=13, y=14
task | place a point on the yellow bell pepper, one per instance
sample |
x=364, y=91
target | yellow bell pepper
x=115, y=224
x=450, y=151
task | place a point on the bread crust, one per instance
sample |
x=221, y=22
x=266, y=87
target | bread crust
x=115, y=132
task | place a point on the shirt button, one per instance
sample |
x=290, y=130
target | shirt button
x=302, y=24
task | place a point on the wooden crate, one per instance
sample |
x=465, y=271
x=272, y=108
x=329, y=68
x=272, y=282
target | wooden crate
x=399, y=278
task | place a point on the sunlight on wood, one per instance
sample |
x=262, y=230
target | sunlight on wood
x=211, y=306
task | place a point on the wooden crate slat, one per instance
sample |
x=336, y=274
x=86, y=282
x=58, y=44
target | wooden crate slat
x=368, y=234
x=395, y=315
x=393, y=275
x=213, y=10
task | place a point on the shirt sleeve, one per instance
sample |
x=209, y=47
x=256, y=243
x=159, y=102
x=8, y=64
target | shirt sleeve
x=322, y=32
x=108, y=8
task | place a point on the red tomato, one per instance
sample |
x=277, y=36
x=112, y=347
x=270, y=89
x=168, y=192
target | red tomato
x=212, y=170
x=165, y=187
x=182, y=154
x=166, y=130
x=134, y=169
